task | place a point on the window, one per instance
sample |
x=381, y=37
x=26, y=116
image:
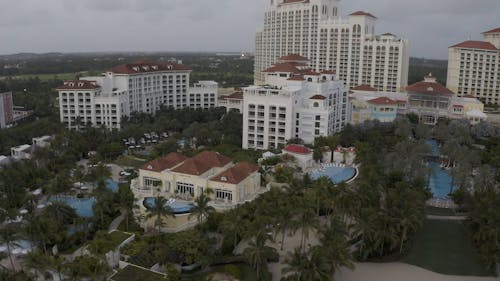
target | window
x=223, y=195
x=316, y=104
x=185, y=188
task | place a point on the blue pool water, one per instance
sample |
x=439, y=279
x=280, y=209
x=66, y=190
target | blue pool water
x=177, y=207
x=439, y=180
x=112, y=185
x=83, y=207
x=336, y=174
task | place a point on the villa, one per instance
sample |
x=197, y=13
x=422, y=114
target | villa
x=177, y=177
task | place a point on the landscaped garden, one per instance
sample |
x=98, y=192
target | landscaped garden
x=444, y=246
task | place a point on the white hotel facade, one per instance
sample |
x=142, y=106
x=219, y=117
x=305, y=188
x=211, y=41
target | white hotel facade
x=137, y=87
x=314, y=29
x=474, y=68
x=296, y=102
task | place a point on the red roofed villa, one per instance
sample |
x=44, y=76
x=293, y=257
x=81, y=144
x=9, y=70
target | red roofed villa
x=180, y=180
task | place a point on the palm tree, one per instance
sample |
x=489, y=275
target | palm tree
x=159, y=210
x=285, y=215
x=8, y=236
x=307, y=266
x=258, y=254
x=234, y=223
x=306, y=222
x=60, y=212
x=37, y=261
x=202, y=209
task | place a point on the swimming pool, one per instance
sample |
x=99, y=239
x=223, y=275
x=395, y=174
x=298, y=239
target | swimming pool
x=177, y=207
x=112, y=185
x=336, y=174
x=83, y=207
x=439, y=181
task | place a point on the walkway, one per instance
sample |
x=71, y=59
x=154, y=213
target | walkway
x=116, y=222
x=447, y=218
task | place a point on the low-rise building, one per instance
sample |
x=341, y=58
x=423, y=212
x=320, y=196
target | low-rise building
x=428, y=99
x=22, y=152
x=178, y=177
x=232, y=102
x=42, y=141
x=301, y=154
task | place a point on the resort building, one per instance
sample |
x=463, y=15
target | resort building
x=22, y=152
x=178, y=177
x=143, y=86
x=474, y=68
x=347, y=45
x=42, y=141
x=232, y=102
x=6, y=110
x=301, y=154
x=428, y=99
x=295, y=103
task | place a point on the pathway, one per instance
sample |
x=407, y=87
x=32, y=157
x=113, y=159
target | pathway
x=116, y=222
x=447, y=218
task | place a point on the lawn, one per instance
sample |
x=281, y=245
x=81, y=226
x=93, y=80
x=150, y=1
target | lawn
x=108, y=241
x=129, y=161
x=45, y=77
x=444, y=247
x=244, y=272
x=134, y=273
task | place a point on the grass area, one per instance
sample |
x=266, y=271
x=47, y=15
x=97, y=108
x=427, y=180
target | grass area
x=443, y=247
x=243, y=271
x=133, y=226
x=105, y=242
x=439, y=211
x=129, y=161
x=134, y=273
x=45, y=77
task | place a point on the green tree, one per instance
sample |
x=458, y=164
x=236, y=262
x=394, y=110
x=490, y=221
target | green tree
x=159, y=210
x=258, y=254
x=202, y=209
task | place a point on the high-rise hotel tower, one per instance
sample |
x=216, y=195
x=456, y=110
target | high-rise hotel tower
x=348, y=46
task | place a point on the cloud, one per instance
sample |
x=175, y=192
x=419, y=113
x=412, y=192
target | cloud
x=213, y=25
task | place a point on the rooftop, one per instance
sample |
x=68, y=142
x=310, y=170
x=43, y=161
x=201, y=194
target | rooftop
x=166, y=162
x=383, y=101
x=298, y=149
x=362, y=13
x=293, y=57
x=429, y=86
x=364, y=88
x=496, y=30
x=481, y=45
x=236, y=174
x=318, y=97
x=147, y=67
x=202, y=162
x=78, y=85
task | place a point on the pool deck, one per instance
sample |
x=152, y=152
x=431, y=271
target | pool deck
x=442, y=203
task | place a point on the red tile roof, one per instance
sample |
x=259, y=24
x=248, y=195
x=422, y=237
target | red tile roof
x=294, y=1
x=238, y=95
x=78, y=85
x=298, y=149
x=202, y=162
x=236, y=174
x=310, y=72
x=318, y=97
x=364, y=88
x=296, y=78
x=383, y=101
x=148, y=66
x=166, y=162
x=388, y=34
x=293, y=57
x=429, y=88
x=482, y=45
x=328, y=72
x=363, y=13
x=496, y=30
x=283, y=67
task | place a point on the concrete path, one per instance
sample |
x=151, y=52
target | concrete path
x=116, y=222
x=447, y=218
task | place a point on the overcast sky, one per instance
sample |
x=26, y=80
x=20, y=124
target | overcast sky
x=218, y=25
